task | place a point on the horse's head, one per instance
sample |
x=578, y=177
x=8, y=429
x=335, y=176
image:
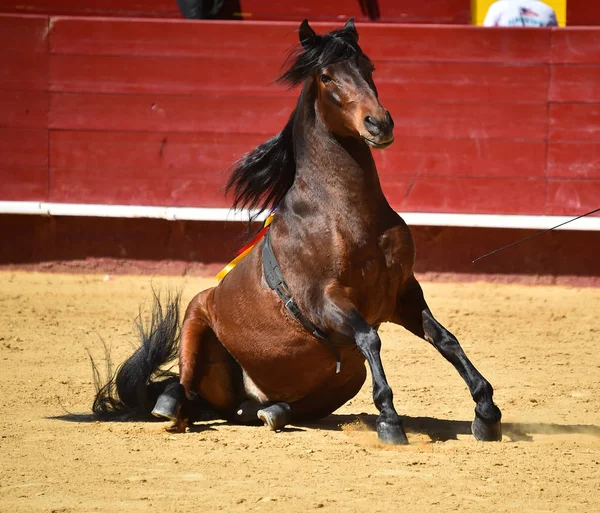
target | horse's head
x=342, y=78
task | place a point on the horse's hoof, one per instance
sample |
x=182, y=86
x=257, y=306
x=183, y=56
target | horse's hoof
x=391, y=434
x=166, y=407
x=486, y=432
x=276, y=416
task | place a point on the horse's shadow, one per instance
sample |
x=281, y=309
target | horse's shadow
x=444, y=429
x=437, y=429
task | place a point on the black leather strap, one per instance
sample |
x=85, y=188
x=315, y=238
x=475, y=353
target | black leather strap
x=276, y=281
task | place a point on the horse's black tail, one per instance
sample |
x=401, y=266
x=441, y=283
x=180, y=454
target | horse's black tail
x=131, y=392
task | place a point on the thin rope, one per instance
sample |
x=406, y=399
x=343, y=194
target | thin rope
x=535, y=235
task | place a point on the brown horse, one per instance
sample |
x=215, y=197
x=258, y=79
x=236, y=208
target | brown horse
x=284, y=337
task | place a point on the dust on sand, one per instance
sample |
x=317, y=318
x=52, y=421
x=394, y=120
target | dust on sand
x=537, y=345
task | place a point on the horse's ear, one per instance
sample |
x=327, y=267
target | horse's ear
x=305, y=33
x=350, y=27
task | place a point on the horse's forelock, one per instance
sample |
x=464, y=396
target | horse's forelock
x=317, y=53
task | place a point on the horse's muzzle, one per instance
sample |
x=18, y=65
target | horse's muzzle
x=379, y=133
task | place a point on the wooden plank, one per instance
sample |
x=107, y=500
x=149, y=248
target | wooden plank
x=24, y=71
x=24, y=147
x=572, y=197
x=23, y=34
x=474, y=196
x=194, y=188
x=462, y=81
x=143, y=75
x=472, y=120
x=489, y=158
x=139, y=151
x=174, y=38
x=268, y=115
x=575, y=83
x=138, y=187
x=576, y=45
x=149, y=113
x=212, y=152
x=147, y=75
x=23, y=183
x=111, y=155
x=574, y=121
x=583, y=13
x=23, y=109
x=94, y=7
x=574, y=159
x=455, y=44
x=273, y=40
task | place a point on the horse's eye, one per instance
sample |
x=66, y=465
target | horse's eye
x=326, y=78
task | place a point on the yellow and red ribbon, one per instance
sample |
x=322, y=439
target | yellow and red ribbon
x=243, y=252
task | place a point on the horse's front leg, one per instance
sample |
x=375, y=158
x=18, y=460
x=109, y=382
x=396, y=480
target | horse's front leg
x=414, y=314
x=341, y=315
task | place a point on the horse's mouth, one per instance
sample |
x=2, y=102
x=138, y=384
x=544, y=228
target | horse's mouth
x=378, y=145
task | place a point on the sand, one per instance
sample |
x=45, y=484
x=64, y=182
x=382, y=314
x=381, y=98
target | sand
x=537, y=345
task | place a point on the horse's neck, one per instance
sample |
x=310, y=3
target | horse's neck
x=338, y=172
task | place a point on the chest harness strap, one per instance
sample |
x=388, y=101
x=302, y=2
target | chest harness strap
x=276, y=281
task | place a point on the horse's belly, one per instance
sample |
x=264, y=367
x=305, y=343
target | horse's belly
x=291, y=369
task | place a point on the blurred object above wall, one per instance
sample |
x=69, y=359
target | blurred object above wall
x=479, y=9
x=390, y=11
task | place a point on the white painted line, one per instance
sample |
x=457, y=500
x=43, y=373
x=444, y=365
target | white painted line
x=591, y=223
x=20, y=207
x=501, y=221
x=75, y=209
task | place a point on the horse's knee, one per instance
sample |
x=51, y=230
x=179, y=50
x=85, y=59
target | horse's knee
x=369, y=341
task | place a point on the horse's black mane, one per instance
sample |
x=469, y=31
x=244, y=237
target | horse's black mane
x=262, y=178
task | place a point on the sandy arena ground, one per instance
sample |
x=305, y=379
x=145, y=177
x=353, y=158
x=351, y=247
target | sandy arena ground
x=538, y=346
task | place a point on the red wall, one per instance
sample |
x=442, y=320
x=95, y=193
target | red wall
x=153, y=112
x=583, y=13
x=403, y=11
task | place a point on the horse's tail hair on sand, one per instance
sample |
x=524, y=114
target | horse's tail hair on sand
x=131, y=392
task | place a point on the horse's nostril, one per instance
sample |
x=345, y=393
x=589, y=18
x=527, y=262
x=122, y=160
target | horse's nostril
x=372, y=126
x=389, y=120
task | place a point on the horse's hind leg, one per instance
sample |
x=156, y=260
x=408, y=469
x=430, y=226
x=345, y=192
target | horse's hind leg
x=257, y=408
x=206, y=369
x=414, y=314
x=208, y=373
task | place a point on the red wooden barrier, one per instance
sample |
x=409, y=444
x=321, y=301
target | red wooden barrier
x=574, y=121
x=153, y=112
x=583, y=13
x=152, y=8
x=24, y=102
